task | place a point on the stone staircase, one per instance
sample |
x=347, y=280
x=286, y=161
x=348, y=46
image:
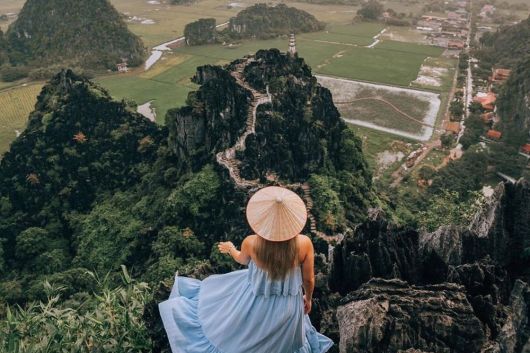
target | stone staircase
x=227, y=158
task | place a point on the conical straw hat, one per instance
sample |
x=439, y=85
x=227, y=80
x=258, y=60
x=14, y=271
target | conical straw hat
x=276, y=214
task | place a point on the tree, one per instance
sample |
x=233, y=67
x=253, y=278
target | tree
x=474, y=129
x=447, y=140
x=201, y=32
x=456, y=109
x=448, y=208
x=426, y=172
x=371, y=10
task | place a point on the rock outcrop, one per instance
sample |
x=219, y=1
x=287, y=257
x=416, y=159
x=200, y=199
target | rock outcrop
x=374, y=249
x=389, y=315
x=458, y=289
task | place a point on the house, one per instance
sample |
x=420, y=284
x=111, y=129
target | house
x=456, y=44
x=494, y=134
x=452, y=126
x=488, y=117
x=525, y=148
x=488, y=9
x=500, y=75
x=487, y=100
x=452, y=15
x=122, y=67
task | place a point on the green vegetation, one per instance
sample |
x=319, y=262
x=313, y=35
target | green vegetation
x=201, y=32
x=108, y=320
x=375, y=142
x=330, y=211
x=90, y=186
x=264, y=21
x=513, y=105
x=371, y=10
x=506, y=46
x=76, y=34
x=447, y=208
x=383, y=114
x=15, y=106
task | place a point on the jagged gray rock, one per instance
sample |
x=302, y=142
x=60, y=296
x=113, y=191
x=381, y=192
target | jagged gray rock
x=515, y=334
x=374, y=249
x=390, y=315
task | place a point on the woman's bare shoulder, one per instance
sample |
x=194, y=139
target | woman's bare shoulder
x=304, y=241
x=305, y=246
x=249, y=242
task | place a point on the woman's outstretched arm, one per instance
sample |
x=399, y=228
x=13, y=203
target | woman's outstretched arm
x=243, y=256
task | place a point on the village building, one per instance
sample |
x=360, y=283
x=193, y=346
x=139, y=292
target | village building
x=487, y=10
x=452, y=15
x=494, y=134
x=489, y=117
x=487, y=100
x=526, y=148
x=122, y=67
x=499, y=76
x=456, y=44
x=453, y=127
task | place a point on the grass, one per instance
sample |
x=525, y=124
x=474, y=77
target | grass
x=15, y=106
x=389, y=62
x=170, y=20
x=416, y=104
x=375, y=142
x=404, y=34
x=361, y=34
x=168, y=82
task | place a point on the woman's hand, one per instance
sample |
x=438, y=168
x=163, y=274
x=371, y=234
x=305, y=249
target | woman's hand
x=307, y=305
x=225, y=247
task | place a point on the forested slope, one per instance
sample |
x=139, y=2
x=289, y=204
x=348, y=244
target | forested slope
x=88, y=34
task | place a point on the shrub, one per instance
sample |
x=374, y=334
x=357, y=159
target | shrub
x=111, y=321
x=13, y=73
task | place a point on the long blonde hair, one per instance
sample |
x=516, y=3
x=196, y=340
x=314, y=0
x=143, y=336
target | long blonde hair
x=277, y=258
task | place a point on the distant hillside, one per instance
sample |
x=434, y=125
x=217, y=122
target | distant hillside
x=263, y=21
x=513, y=103
x=88, y=34
x=506, y=46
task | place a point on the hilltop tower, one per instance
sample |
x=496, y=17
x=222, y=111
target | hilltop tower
x=292, y=45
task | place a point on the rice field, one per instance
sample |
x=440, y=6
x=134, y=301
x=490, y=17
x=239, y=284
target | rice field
x=15, y=106
x=400, y=111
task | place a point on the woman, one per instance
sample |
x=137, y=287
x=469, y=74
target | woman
x=262, y=309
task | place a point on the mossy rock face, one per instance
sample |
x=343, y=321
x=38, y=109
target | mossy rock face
x=87, y=34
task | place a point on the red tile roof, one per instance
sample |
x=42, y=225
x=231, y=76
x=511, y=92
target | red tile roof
x=487, y=101
x=525, y=148
x=494, y=134
x=452, y=126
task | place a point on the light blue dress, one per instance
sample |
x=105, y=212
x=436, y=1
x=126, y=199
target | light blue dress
x=240, y=312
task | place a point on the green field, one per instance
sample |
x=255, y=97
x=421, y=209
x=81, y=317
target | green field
x=15, y=106
x=171, y=19
x=376, y=142
x=338, y=51
x=390, y=62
